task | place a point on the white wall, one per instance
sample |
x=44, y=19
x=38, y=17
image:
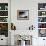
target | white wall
x=22, y=25
x=32, y=6
x=24, y=5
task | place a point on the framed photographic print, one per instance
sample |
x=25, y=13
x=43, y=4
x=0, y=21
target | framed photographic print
x=22, y=14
